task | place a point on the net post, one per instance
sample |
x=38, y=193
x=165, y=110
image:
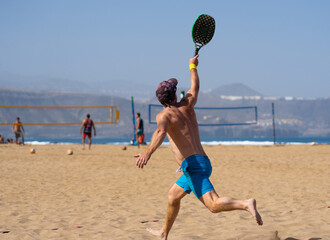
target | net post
x=117, y=114
x=273, y=113
x=133, y=118
x=111, y=114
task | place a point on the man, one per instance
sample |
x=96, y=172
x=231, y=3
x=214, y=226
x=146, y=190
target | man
x=87, y=125
x=18, y=129
x=2, y=139
x=139, y=130
x=178, y=121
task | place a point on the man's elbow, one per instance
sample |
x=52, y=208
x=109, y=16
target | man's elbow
x=161, y=132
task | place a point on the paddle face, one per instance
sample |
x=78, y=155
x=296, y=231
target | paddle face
x=202, y=31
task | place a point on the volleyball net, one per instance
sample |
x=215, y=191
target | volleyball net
x=216, y=116
x=50, y=115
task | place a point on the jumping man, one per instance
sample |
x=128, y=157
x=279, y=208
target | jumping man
x=178, y=121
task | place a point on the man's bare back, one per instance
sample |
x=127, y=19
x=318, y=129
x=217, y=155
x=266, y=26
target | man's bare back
x=182, y=131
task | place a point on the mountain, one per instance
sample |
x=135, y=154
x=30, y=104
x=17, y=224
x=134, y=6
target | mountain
x=120, y=88
x=14, y=97
x=235, y=89
x=294, y=117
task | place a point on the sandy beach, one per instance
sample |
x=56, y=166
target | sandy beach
x=101, y=194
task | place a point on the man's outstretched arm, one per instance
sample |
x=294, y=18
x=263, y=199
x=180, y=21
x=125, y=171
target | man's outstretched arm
x=156, y=140
x=192, y=94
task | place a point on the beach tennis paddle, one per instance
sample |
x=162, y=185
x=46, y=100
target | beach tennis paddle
x=202, y=31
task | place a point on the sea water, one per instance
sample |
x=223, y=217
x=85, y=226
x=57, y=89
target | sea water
x=213, y=141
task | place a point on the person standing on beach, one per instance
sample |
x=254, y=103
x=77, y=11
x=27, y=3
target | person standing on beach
x=2, y=139
x=18, y=129
x=139, y=130
x=87, y=126
x=178, y=121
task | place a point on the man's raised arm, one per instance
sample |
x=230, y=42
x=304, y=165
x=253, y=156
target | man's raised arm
x=192, y=94
x=156, y=140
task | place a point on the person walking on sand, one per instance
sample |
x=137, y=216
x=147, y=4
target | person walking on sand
x=178, y=121
x=87, y=125
x=18, y=129
x=139, y=130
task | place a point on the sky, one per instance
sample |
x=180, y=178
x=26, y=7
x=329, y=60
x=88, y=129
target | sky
x=278, y=48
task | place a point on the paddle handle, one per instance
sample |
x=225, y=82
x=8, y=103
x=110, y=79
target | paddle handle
x=197, y=48
x=196, y=52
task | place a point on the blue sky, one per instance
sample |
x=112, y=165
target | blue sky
x=279, y=48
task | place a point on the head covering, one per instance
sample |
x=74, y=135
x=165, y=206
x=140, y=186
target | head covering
x=166, y=90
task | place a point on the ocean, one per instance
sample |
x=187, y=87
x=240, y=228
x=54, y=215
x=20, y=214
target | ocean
x=218, y=141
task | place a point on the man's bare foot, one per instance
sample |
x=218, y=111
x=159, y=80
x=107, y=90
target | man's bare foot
x=252, y=208
x=158, y=233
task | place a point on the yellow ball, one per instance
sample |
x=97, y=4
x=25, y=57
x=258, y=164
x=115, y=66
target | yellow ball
x=69, y=152
x=32, y=151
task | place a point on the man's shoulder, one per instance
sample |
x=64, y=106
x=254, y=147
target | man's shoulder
x=164, y=113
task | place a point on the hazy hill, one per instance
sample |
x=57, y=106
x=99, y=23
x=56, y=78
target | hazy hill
x=45, y=98
x=120, y=88
x=294, y=118
x=235, y=89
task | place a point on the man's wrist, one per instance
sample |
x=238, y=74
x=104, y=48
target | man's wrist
x=192, y=66
x=147, y=154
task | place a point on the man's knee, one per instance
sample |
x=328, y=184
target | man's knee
x=175, y=195
x=173, y=198
x=214, y=204
x=217, y=205
x=213, y=208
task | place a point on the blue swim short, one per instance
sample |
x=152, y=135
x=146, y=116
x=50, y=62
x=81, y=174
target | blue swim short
x=196, y=172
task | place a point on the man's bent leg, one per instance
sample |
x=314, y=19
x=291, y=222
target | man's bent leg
x=175, y=195
x=218, y=204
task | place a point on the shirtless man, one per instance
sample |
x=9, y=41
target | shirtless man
x=2, y=139
x=18, y=129
x=87, y=125
x=178, y=121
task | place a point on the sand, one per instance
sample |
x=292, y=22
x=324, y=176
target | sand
x=101, y=194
